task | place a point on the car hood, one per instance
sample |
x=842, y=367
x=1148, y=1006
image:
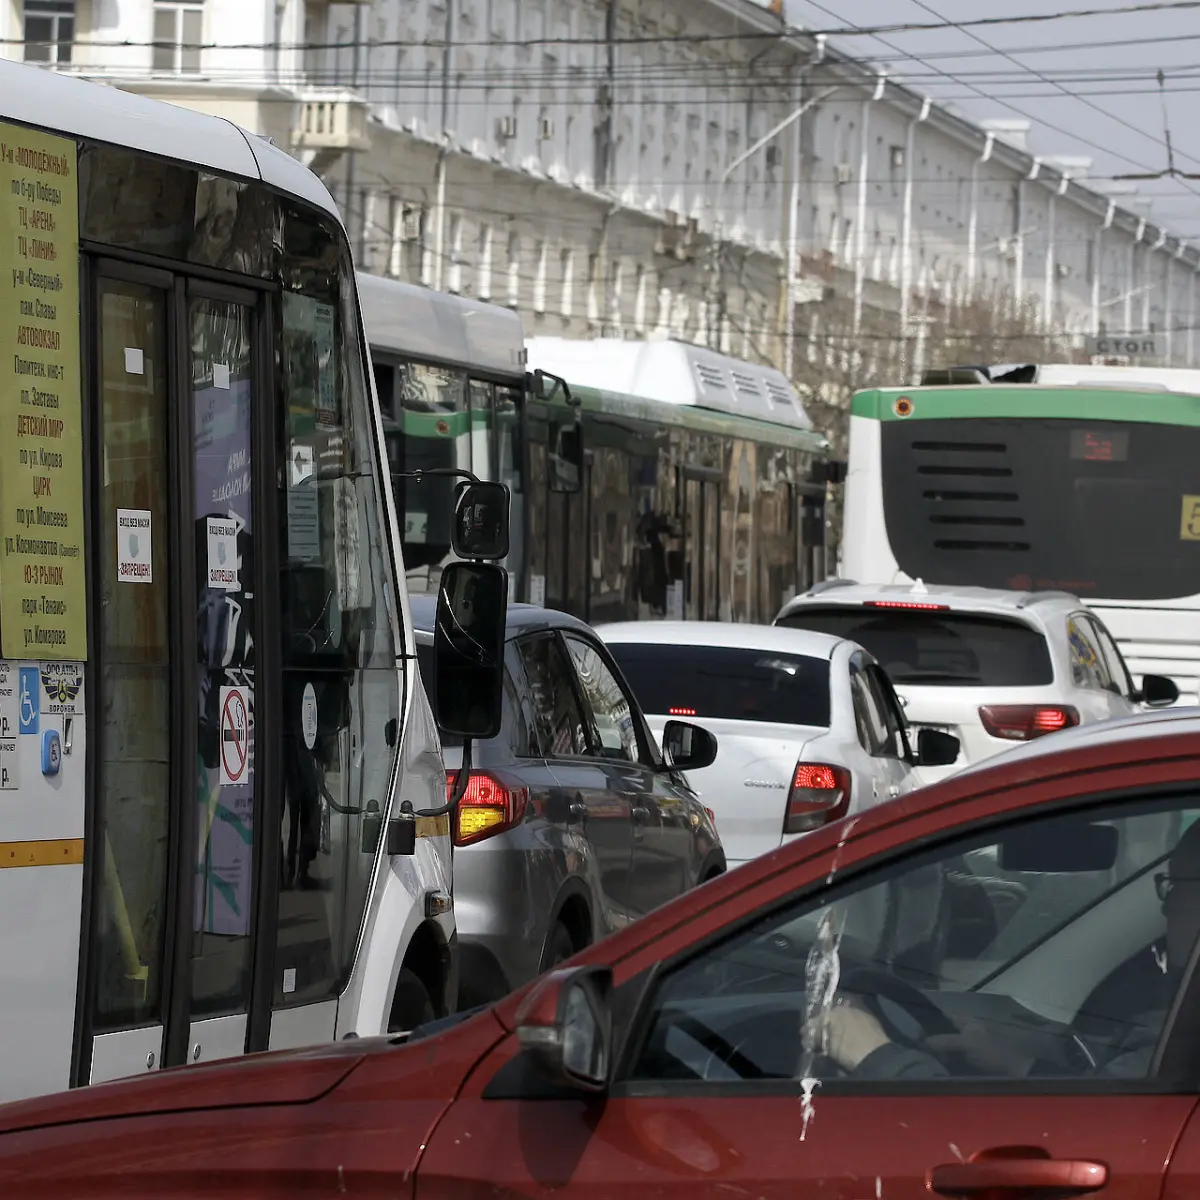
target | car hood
x=278, y=1077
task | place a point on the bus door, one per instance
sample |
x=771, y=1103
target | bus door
x=559, y=522
x=701, y=543
x=180, y=369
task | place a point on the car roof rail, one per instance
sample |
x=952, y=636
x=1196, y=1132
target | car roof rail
x=1047, y=594
x=827, y=584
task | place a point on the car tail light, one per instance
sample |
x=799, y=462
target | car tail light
x=819, y=794
x=712, y=816
x=491, y=804
x=1023, y=722
x=906, y=604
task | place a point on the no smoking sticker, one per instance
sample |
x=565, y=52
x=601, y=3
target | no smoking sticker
x=235, y=736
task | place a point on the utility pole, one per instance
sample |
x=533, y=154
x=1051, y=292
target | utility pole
x=717, y=304
x=604, y=165
x=439, y=218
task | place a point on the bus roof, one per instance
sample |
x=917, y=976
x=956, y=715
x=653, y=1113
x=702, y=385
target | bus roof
x=1170, y=379
x=409, y=320
x=83, y=109
x=1032, y=401
x=703, y=420
x=673, y=372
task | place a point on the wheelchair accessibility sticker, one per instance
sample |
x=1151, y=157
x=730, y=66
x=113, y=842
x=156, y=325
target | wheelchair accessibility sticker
x=29, y=699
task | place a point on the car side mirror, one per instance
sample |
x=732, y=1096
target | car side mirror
x=688, y=747
x=565, y=1026
x=935, y=749
x=480, y=528
x=1157, y=691
x=468, y=649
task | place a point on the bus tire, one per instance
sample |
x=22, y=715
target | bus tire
x=411, y=1003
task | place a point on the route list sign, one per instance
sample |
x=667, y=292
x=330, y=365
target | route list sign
x=42, y=598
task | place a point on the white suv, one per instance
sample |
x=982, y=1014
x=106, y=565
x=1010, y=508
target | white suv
x=991, y=667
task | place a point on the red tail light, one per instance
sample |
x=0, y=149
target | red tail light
x=491, y=804
x=1023, y=722
x=819, y=794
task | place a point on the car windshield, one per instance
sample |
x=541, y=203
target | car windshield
x=725, y=682
x=918, y=646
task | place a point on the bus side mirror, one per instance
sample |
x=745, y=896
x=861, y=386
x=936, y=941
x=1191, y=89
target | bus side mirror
x=468, y=649
x=566, y=459
x=480, y=528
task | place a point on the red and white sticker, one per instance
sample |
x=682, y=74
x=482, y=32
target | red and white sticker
x=235, y=736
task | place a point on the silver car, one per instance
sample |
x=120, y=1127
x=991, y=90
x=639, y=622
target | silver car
x=573, y=824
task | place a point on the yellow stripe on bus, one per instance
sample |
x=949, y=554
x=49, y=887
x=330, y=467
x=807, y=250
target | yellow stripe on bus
x=434, y=826
x=61, y=852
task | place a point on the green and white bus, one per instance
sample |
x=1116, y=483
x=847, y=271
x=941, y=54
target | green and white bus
x=665, y=480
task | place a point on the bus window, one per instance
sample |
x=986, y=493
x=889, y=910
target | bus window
x=338, y=621
x=222, y=453
x=135, y=687
x=431, y=408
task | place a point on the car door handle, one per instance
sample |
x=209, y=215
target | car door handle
x=1018, y=1169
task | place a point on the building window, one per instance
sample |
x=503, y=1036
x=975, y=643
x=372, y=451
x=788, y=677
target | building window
x=178, y=32
x=484, y=282
x=539, y=279
x=49, y=30
x=454, y=269
x=512, y=271
x=567, y=306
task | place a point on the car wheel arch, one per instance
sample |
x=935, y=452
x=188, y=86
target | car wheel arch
x=574, y=909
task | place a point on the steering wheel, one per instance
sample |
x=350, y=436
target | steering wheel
x=876, y=986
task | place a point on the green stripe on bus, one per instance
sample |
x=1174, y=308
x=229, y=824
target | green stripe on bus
x=441, y=424
x=1029, y=401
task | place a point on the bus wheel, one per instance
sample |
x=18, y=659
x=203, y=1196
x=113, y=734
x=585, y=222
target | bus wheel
x=411, y=1005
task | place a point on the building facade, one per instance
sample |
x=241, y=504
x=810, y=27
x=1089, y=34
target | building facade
x=670, y=168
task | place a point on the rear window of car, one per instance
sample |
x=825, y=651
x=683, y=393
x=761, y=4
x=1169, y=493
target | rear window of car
x=425, y=662
x=726, y=683
x=938, y=648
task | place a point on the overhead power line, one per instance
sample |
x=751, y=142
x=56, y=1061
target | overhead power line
x=658, y=39
x=1039, y=119
x=1074, y=96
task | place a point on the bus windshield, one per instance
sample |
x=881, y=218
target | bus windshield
x=1100, y=508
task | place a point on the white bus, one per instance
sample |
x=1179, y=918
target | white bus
x=1084, y=479
x=675, y=481
x=209, y=716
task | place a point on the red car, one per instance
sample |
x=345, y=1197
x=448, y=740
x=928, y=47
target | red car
x=983, y=990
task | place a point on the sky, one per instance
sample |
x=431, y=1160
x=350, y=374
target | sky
x=1097, y=96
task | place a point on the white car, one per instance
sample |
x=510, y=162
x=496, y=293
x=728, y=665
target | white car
x=808, y=725
x=991, y=667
